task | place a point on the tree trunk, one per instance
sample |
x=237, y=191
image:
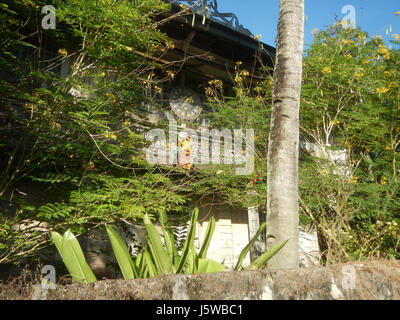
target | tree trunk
x=283, y=146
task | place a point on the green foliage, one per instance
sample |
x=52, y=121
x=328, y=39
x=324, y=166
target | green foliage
x=162, y=261
x=261, y=260
x=208, y=265
x=247, y=248
x=121, y=252
x=247, y=107
x=71, y=150
x=72, y=256
x=157, y=257
x=54, y=211
x=350, y=104
x=71, y=144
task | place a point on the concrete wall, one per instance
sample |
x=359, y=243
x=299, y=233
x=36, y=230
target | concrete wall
x=231, y=233
x=364, y=280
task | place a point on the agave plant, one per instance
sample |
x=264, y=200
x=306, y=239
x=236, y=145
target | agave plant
x=157, y=257
x=72, y=256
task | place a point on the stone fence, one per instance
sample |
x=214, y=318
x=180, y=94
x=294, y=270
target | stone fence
x=378, y=280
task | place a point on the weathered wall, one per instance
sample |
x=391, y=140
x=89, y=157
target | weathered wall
x=372, y=280
x=230, y=236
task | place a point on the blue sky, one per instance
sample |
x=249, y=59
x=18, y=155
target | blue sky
x=261, y=16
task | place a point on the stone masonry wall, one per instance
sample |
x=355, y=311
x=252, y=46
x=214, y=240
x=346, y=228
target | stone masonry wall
x=359, y=281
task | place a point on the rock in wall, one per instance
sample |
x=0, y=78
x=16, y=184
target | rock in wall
x=377, y=280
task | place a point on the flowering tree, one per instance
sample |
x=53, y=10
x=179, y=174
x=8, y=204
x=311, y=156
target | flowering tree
x=349, y=131
x=350, y=107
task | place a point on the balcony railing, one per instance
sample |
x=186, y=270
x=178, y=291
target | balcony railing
x=209, y=9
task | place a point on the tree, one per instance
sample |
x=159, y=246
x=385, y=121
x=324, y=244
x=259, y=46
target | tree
x=350, y=126
x=69, y=108
x=283, y=146
x=349, y=109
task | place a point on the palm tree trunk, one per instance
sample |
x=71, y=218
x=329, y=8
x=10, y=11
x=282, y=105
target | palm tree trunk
x=283, y=146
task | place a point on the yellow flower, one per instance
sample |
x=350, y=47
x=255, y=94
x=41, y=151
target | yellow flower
x=239, y=92
x=384, y=180
x=63, y=52
x=170, y=74
x=244, y=73
x=323, y=172
x=113, y=137
x=158, y=90
x=170, y=45
x=217, y=83
x=239, y=79
x=326, y=70
x=388, y=148
x=382, y=49
x=334, y=123
x=90, y=165
x=365, y=61
x=349, y=56
x=209, y=91
x=352, y=180
x=359, y=74
x=383, y=90
x=395, y=36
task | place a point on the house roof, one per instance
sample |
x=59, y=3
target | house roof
x=215, y=40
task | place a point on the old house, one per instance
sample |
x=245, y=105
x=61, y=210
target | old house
x=207, y=45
